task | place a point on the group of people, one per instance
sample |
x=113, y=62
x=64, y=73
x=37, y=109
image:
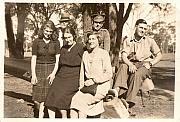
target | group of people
x=61, y=67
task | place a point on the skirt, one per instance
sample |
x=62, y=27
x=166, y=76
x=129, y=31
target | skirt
x=80, y=101
x=40, y=90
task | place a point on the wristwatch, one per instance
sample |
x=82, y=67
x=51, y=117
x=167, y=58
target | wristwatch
x=150, y=64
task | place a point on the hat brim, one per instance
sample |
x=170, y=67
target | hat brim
x=98, y=21
x=64, y=20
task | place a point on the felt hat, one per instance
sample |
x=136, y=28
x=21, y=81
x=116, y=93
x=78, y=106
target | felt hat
x=99, y=17
x=65, y=17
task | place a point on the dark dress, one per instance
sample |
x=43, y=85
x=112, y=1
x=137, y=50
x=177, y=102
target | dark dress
x=66, y=82
x=46, y=58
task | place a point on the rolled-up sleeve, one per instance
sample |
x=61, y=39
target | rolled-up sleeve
x=126, y=47
x=57, y=47
x=154, y=47
x=35, y=47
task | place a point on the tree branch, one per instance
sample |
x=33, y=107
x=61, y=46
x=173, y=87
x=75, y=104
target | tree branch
x=127, y=12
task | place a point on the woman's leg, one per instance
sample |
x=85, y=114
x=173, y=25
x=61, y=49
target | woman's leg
x=41, y=110
x=82, y=115
x=73, y=113
x=63, y=113
x=51, y=113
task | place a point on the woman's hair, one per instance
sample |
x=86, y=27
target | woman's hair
x=48, y=24
x=71, y=31
x=94, y=33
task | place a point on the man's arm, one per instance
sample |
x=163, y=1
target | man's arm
x=132, y=67
x=156, y=59
x=156, y=52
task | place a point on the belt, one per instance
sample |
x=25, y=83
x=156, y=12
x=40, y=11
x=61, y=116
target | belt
x=132, y=60
x=45, y=63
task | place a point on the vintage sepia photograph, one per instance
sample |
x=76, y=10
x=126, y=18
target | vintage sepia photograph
x=89, y=60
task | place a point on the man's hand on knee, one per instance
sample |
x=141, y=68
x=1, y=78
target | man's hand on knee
x=132, y=68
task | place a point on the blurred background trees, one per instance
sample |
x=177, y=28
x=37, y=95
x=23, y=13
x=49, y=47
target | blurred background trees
x=23, y=21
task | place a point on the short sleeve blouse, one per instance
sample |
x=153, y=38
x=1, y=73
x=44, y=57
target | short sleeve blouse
x=45, y=52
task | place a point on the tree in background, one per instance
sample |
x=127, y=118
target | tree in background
x=119, y=17
x=9, y=31
x=15, y=42
x=164, y=34
x=32, y=15
x=21, y=16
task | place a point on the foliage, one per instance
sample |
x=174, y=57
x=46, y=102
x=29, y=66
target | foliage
x=164, y=34
x=166, y=8
x=37, y=13
x=40, y=12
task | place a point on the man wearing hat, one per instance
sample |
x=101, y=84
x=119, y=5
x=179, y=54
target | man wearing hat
x=139, y=54
x=97, y=24
x=64, y=22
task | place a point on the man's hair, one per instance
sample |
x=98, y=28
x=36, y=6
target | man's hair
x=140, y=21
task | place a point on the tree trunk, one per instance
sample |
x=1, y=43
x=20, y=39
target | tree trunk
x=21, y=15
x=121, y=19
x=87, y=22
x=119, y=25
x=112, y=29
x=106, y=10
x=9, y=31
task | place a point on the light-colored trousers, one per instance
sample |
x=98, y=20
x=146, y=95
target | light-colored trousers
x=131, y=82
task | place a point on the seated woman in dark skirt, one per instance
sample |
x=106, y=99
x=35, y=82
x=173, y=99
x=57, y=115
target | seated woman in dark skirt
x=66, y=82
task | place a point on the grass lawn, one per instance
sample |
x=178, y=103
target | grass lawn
x=18, y=104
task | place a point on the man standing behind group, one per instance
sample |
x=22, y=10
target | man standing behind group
x=63, y=23
x=139, y=54
x=97, y=25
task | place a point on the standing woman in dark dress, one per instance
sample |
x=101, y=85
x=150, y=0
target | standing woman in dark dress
x=66, y=82
x=44, y=63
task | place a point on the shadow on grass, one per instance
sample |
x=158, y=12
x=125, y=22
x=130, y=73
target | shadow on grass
x=17, y=72
x=17, y=67
x=166, y=95
x=164, y=77
x=25, y=97
x=35, y=107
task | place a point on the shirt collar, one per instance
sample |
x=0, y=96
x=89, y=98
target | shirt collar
x=95, y=50
x=134, y=40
